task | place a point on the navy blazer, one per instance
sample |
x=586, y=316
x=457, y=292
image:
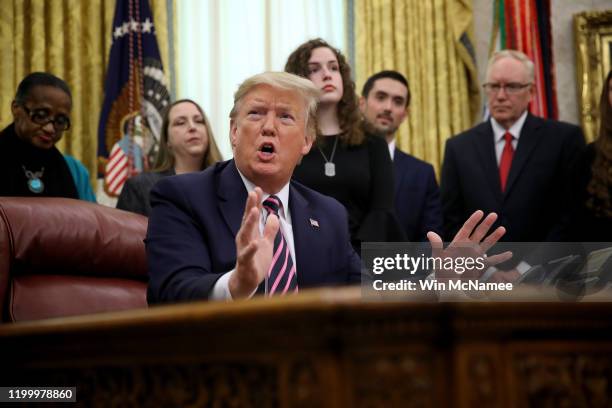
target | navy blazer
x=531, y=207
x=194, y=220
x=417, y=197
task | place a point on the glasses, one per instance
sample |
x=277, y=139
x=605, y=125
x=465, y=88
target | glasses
x=43, y=116
x=511, y=89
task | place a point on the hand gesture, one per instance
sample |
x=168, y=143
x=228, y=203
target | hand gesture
x=253, y=250
x=470, y=242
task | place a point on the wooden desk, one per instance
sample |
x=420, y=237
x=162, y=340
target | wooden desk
x=324, y=348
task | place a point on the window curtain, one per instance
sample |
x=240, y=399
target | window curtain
x=70, y=39
x=223, y=42
x=430, y=43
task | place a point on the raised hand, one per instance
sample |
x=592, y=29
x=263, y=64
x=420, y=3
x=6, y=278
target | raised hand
x=471, y=241
x=253, y=250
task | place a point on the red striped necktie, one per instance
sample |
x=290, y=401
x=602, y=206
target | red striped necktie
x=506, y=161
x=282, y=276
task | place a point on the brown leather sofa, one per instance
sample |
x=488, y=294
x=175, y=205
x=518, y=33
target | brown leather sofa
x=64, y=257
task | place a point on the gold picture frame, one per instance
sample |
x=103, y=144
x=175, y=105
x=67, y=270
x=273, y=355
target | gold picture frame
x=593, y=33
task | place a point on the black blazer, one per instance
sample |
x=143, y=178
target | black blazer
x=531, y=206
x=417, y=197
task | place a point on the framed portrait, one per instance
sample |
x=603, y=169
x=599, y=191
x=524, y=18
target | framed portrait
x=593, y=34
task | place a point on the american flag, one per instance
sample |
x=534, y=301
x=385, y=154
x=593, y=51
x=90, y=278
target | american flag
x=136, y=92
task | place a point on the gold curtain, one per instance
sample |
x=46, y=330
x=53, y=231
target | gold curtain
x=428, y=42
x=70, y=39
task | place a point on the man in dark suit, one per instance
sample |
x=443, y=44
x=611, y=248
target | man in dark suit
x=384, y=103
x=204, y=243
x=515, y=164
x=243, y=227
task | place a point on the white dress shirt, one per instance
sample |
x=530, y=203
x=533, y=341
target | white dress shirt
x=499, y=132
x=220, y=290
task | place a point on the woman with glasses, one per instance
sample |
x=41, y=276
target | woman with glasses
x=186, y=145
x=345, y=163
x=30, y=163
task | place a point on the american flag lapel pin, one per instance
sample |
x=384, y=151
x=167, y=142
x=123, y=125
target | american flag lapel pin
x=314, y=223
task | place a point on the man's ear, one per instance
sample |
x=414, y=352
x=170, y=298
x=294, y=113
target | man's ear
x=14, y=107
x=406, y=113
x=307, y=145
x=362, y=103
x=233, y=133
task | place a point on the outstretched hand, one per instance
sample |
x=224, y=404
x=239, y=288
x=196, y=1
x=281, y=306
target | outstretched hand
x=471, y=241
x=253, y=250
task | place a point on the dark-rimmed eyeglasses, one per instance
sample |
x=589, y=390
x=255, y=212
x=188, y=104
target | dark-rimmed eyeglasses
x=511, y=89
x=43, y=116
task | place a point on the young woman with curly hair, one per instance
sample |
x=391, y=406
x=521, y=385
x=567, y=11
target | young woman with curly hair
x=353, y=167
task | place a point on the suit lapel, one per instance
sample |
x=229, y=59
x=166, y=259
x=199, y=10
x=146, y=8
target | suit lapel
x=305, y=237
x=527, y=142
x=232, y=196
x=397, y=167
x=485, y=147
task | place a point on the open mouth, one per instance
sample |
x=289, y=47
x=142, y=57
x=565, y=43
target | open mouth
x=267, y=148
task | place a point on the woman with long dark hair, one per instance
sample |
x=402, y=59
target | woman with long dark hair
x=345, y=163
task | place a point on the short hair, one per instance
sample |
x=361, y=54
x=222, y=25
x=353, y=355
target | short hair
x=39, y=79
x=369, y=84
x=165, y=159
x=517, y=55
x=287, y=82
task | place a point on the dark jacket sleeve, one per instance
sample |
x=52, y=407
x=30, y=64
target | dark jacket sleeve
x=432, y=210
x=450, y=192
x=573, y=148
x=380, y=223
x=132, y=198
x=178, y=255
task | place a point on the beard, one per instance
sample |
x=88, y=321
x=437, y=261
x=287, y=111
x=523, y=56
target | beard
x=375, y=130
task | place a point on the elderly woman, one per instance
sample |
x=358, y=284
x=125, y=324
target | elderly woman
x=186, y=145
x=30, y=164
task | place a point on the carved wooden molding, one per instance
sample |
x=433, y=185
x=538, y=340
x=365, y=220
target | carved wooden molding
x=565, y=379
x=593, y=36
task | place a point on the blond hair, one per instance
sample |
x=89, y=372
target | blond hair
x=288, y=82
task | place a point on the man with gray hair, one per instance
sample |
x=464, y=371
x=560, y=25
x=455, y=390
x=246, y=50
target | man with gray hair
x=514, y=164
x=243, y=227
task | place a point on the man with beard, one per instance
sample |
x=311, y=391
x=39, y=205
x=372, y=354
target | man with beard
x=384, y=103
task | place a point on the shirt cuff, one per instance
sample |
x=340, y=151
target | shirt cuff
x=220, y=290
x=523, y=267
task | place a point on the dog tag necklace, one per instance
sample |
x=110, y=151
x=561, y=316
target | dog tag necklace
x=35, y=184
x=329, y=167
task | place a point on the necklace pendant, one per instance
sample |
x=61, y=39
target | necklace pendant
x=36, y=185
x=330, y=169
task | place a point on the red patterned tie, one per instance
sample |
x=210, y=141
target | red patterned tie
x=281, y=275
x=506, y=161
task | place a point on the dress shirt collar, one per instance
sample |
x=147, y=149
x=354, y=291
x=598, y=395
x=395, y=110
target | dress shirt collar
x=515, y=129
x=283, y=196
x=392, y=149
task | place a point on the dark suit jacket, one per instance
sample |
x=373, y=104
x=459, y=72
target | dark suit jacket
x=135, y=193
x=531, y=206
x=417, y=197
x=193, y=224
